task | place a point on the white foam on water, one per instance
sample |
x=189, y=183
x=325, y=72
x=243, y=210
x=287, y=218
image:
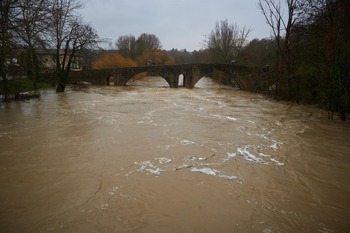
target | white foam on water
x=263, y=155
x=150, y=168
x=156, y=171
x=166, y=147
x=262, y=136
x=114, y=190
x=275, y=146
x=104, y=206
x=194, y=163
x=221, y=117
x=325, y=230
x=228, y=177
x=232, y=118
x=147, y=166
x=213, y=172
x=267, y=230
x=245, y=153
x=276, y=162
x=186, y=142
x=163, y=160
x=243, y=128
x=279, y=123
x=205, y=170
x=230, y=156
x=261, y=158
x=255, y=153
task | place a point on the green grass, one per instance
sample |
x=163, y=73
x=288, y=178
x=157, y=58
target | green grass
x=23, y=85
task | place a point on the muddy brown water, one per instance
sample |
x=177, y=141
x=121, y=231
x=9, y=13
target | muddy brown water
x=147, y=158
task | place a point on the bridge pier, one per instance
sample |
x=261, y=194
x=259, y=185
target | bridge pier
x=188, y=80
x=173, y=80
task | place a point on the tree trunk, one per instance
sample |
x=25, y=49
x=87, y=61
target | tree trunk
x=36, y=67
x=5, y=86
x=60, y=87
x=62, y=79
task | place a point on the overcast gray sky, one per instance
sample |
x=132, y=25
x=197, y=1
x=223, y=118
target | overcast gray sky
x=179, y=24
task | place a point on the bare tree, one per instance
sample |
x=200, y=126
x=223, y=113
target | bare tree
x=68, y=35
x=126, y=46
x=227, y=40
x=7, y=16
x=282, y=24
x=273, y=15
x=30, y=28
x=147, y=43
x=312, y=10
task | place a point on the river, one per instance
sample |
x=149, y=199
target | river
x=147, y=158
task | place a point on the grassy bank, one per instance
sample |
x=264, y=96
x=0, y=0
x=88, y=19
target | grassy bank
x=17, y=86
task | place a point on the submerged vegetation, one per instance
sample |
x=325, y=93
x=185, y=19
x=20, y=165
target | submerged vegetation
x=19, y=89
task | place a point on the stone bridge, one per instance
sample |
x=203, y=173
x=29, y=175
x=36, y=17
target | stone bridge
x=246, y=78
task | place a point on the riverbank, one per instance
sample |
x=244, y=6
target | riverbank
x=22, y=89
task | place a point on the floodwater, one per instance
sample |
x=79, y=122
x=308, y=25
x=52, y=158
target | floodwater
x=147, y=158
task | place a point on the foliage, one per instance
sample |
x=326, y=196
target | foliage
x=131, y=51
x=158, y=57
x=312, y=51
x=181, y=56
x=17, y=86
x=259, y=53
x=106, y=61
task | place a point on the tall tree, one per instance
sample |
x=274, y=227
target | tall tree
x=159, y=57
x=147, y=43
x=226, y=40
x=259, y=53
x=282, y=26
x=126, y=46
x=328, y=26
x=30, y=27
x=108, y=61
x=7, y=15
x=68, y=34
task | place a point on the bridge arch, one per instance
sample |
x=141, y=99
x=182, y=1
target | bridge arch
x=139, y=78
x=110, y=80
x=181, y=80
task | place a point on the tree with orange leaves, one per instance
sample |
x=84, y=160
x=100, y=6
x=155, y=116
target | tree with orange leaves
x=159, y=57
x=106, y=61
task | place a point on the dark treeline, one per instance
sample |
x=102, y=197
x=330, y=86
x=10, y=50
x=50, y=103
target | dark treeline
x=310, y=56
